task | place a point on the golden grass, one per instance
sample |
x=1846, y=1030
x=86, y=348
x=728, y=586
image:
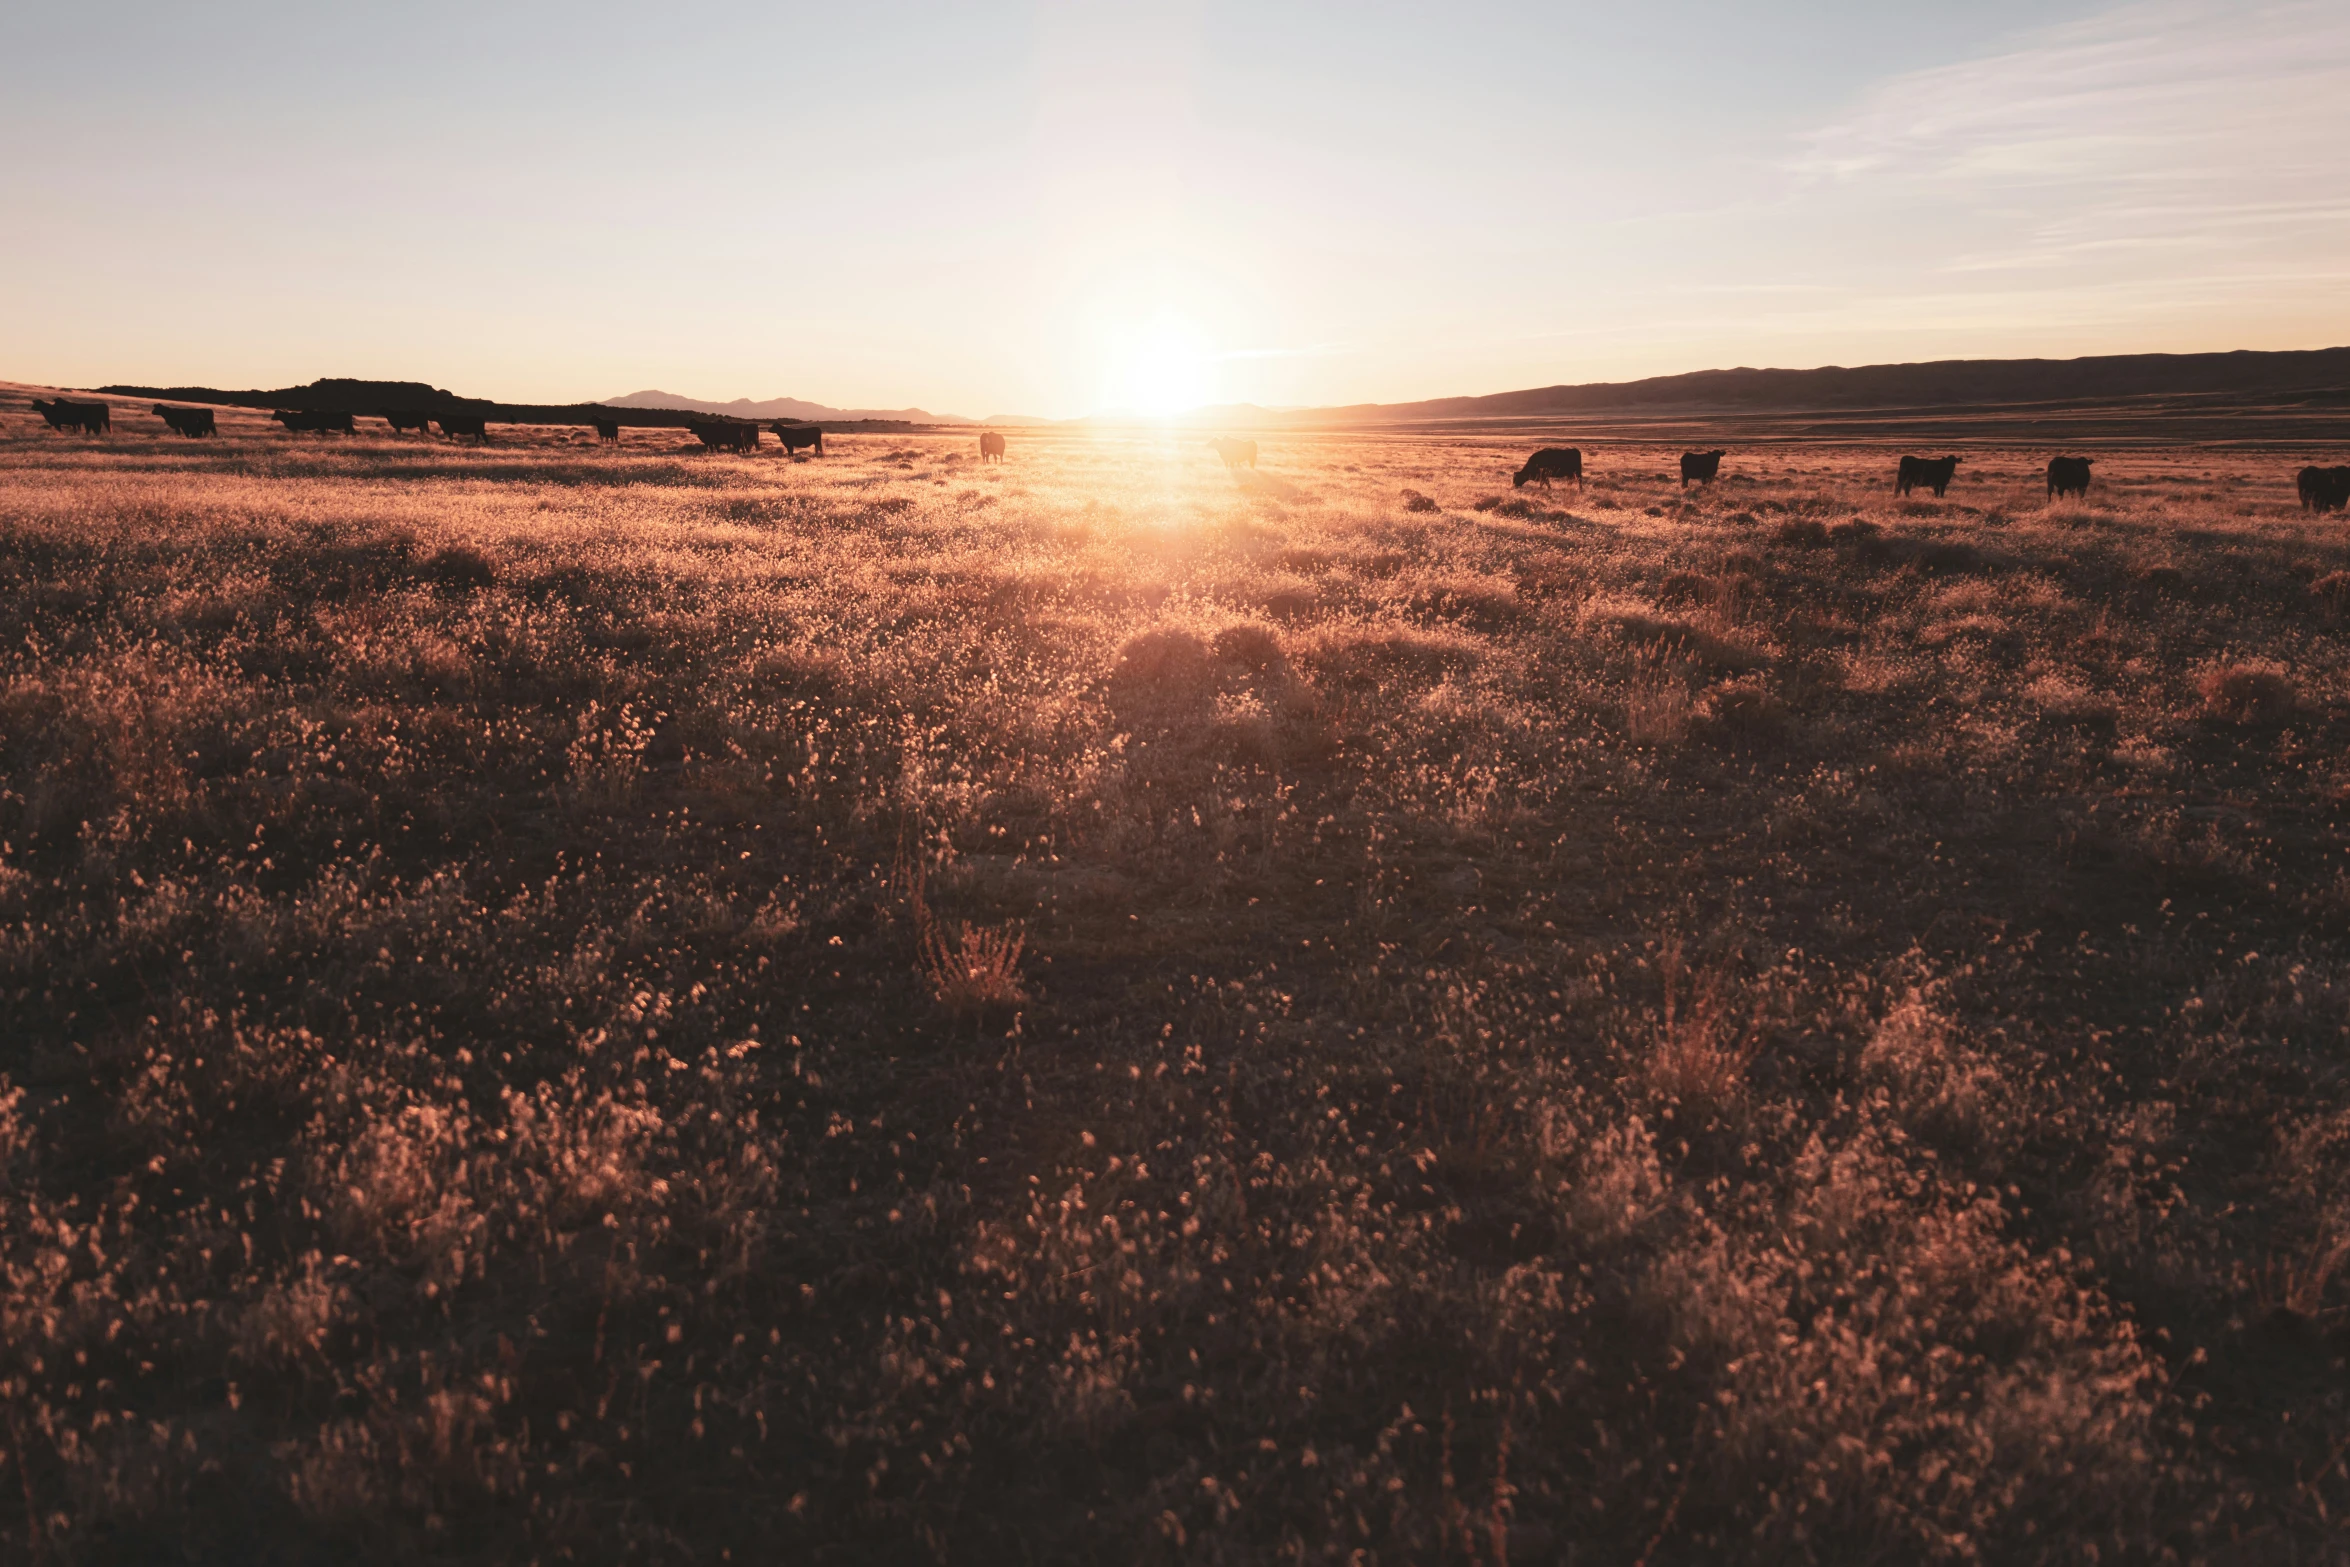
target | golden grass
x=569, y=1004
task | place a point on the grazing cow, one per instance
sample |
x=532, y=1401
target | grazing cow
x=991, y=446
x=186, y=421
x=314, y=421
x=2325, y=489
x=1700, y=467
x=89, y=418
x=2068, y=476
x=1552, y=462
x=402, y=423
x=795, y=436
x=1932, y=471
x=1235, y=452
x=608, y=431
x=470, y=425
x=733, y=435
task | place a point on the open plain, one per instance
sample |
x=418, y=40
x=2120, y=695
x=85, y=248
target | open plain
x=634, y=1005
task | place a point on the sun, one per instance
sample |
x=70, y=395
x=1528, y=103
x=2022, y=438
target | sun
x=1161, y=367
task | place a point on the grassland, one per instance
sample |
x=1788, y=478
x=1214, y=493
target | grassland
x=568, y=1005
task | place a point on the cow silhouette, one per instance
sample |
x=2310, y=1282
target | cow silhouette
x=1235, y=452
x=1933, y=472
x=1552, y=462
x=2068, y=476
x=89, y=418
x=2324, y=489
x=186, y=421
x=1700, y=467
x=795, y=436
x=608, y=431
x=991, y=446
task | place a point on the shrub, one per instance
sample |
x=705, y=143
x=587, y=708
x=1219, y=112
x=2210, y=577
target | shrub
x=460, y=568
x=1254, y=648
x=1801, y=533
x=1413, y=500
x=2248, y=693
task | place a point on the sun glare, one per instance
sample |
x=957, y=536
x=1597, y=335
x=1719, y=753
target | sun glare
x=1161, y=368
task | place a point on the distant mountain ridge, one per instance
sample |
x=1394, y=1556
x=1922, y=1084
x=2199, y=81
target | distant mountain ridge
x=1943, y=383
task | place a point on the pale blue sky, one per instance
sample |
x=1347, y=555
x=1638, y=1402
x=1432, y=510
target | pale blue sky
x=1055, y=208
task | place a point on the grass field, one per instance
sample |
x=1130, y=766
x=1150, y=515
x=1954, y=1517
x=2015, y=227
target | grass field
x=567, y=1005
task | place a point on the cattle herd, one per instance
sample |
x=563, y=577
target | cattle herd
x=2322, y=489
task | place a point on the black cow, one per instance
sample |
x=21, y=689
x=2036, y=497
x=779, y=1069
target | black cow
x=1552, y=462
x=402, y=423
x=795, y=436
x=608, y=431
x=186, y=421
x=2325, y=489
x=1931, y=471
x=2068, y=476
x=314, y=421
x=1235, y=452
x=1700, y=467
x=732, y=435
x=991, y=446
x=89, y=418
x=472, y=426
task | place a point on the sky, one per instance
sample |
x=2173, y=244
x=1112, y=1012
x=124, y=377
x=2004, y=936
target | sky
x=1059, y=208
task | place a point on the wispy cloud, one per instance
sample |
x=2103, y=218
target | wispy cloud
x=2190, y=125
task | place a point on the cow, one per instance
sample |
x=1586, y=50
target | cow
x=1552, y=462
x=314, y=421
x=1235, y=452
x=1933, y=471
x=733, y=435
x=89, y=418
x=1700, y=467
x=186, y=421
x=2068, y=476
x=991, y=446
x=608, y=431
x=402, y=423
x=795, y=436
x=469, y=425
x=2325, y=489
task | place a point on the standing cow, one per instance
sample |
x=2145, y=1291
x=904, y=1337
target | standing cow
x=2324, y=489
x=1235, y=451
x=1933, y=472
x=1552, y=462
x=1701, y=467
x=186, y=421
x=472, y=426
x=608, y=431
x=89, y=418
x=991, y=446
x=2068, y=476
x=729, y=435
x=795, y=436
x=402, y=423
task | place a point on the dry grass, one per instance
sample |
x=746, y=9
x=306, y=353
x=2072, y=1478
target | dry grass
x=639, y=1006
